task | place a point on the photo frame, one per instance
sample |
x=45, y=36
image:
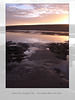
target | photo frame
x=37, y=93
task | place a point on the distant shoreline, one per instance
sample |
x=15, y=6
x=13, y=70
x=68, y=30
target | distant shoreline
x=59, y=27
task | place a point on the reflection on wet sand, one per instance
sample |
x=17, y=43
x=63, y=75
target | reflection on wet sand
x=35, y=38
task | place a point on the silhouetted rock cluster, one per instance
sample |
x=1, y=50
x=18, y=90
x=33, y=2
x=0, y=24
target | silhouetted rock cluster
x=15, y=51
x=60, y=49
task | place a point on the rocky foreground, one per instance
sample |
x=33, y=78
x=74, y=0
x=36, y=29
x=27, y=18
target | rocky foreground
x=15, y=51
x=61, y=50
x=46, y=68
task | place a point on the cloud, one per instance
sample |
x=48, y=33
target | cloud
x=35, y=13
x=35, y=10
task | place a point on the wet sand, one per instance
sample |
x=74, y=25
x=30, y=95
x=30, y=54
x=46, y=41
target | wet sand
x=40, y=69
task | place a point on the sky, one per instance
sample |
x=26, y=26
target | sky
x=37, y=14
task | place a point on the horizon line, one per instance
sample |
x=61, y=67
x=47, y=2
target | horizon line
x=34, y=24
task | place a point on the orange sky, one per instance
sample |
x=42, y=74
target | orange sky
x=31, y=14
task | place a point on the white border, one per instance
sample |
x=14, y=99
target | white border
x=55, y=93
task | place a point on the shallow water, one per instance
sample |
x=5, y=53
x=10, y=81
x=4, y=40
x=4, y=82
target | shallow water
x=35, y=36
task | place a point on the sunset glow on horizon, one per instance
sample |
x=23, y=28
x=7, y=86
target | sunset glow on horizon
x=36, y=14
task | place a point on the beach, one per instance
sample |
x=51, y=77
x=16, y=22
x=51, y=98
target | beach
x=37, y=56
x=39, y=68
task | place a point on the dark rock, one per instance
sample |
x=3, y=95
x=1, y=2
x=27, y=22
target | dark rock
x=15, y=50
x=57, y=70
x=60, y=49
